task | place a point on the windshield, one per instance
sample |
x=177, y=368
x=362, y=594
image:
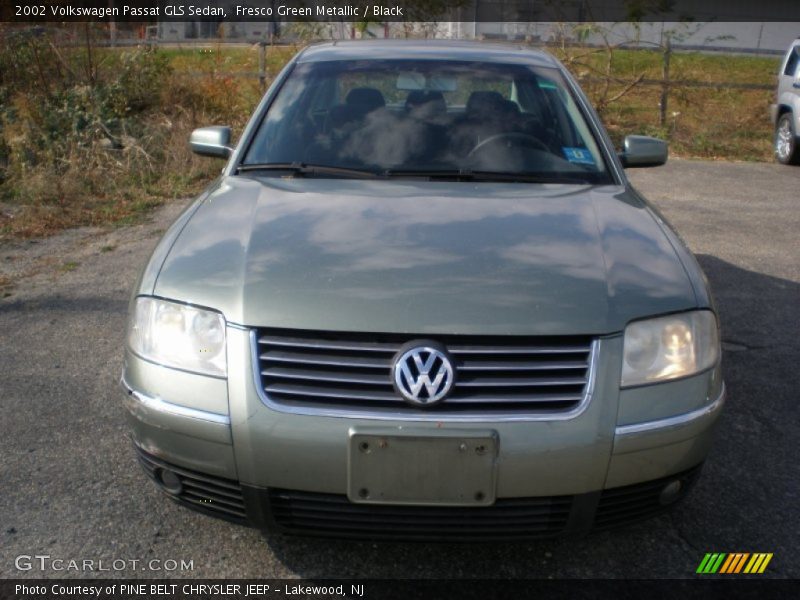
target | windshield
x=423, y=118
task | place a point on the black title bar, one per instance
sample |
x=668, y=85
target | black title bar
x=386, y=11
x=338, y=589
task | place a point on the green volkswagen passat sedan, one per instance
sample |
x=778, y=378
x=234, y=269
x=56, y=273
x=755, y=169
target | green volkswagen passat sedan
x=422, y=301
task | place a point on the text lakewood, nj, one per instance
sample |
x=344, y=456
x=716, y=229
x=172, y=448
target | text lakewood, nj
x=200, y=10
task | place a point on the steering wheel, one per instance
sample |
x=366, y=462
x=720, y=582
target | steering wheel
x=524, y=139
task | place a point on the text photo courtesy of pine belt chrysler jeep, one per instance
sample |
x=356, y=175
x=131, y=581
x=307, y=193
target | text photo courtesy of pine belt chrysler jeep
x=423, y=302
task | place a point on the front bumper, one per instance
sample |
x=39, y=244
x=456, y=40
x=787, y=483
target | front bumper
x=333, y=515
x=284, y=468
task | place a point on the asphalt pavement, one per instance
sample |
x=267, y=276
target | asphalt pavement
x=70, y=487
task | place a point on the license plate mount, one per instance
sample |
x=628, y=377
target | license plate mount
x=448, y=468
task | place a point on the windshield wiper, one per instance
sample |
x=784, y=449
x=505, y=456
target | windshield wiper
x=469, y=175
x=297, y=169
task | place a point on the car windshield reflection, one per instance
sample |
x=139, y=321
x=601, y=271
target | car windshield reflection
x=403, y=118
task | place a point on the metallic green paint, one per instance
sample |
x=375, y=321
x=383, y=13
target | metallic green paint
x=425, y=257
x=412, y=256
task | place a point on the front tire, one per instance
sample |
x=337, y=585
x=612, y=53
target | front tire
x=787, y=150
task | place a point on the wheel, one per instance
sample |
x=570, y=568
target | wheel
x=523, y=139
x=787, y=150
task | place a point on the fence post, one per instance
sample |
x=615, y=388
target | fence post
x=262, y=64
x=665, y=83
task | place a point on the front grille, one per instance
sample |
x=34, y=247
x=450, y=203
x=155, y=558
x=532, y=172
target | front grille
x=334, y=515
x=623, y=505
x=216, y=496
x=354, y=371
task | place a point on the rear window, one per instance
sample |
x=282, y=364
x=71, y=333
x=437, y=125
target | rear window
x=792, y=62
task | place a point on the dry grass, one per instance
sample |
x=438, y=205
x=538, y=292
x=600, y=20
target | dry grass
x=97, y=152
x=111, y=168
x=702, y=122
x=100, y=186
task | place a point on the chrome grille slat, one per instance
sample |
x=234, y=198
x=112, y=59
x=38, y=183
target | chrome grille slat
x=517, y=350
x=514, y=399
x=321, y=392
x=519, y=382
x=367, y=379
x=478, y=365
x=327, y=360
x=322, y=345
x=352, y=372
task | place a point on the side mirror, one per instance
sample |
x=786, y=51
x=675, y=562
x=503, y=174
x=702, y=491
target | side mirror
x=644, y=151
x=211, y=141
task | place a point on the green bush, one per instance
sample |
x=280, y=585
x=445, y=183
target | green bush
x=89, y=135
x=55, y=101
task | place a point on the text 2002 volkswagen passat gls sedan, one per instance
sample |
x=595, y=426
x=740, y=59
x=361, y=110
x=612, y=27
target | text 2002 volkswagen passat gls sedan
x=423, y=302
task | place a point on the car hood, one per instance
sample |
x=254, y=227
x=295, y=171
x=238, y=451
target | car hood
x=425, y=257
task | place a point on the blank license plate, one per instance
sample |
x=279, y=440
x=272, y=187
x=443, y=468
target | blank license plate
x=455, y=468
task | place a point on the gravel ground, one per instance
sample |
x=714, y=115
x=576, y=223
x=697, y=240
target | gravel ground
x=71, y=488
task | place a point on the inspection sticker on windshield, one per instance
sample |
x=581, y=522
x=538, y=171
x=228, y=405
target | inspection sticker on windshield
x=578, y=155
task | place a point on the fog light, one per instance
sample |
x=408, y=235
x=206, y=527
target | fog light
x=671, y=492
x=170, y=482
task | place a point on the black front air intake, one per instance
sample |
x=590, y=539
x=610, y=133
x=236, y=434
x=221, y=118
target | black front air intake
x=334, y=515
x=212, y=495
x=624, y=505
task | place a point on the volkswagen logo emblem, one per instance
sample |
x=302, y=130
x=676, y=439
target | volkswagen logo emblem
x=423, y=374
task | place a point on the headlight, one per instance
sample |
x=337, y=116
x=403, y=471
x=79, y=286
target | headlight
x=177, y=335
x=669, y=347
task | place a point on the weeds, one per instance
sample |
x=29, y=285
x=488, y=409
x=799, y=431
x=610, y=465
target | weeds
x=69, y=266
x=92, y=136
x=98, y=136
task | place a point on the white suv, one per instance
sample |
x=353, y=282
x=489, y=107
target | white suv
x=786, y=110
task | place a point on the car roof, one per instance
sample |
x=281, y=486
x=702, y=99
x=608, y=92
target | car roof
x=426, y=50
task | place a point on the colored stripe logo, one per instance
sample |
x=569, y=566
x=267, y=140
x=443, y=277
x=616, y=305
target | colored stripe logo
x=733, y=563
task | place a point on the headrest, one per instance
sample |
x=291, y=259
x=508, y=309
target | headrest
x=486, y=103
x=366, y=98
x=426, y=105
